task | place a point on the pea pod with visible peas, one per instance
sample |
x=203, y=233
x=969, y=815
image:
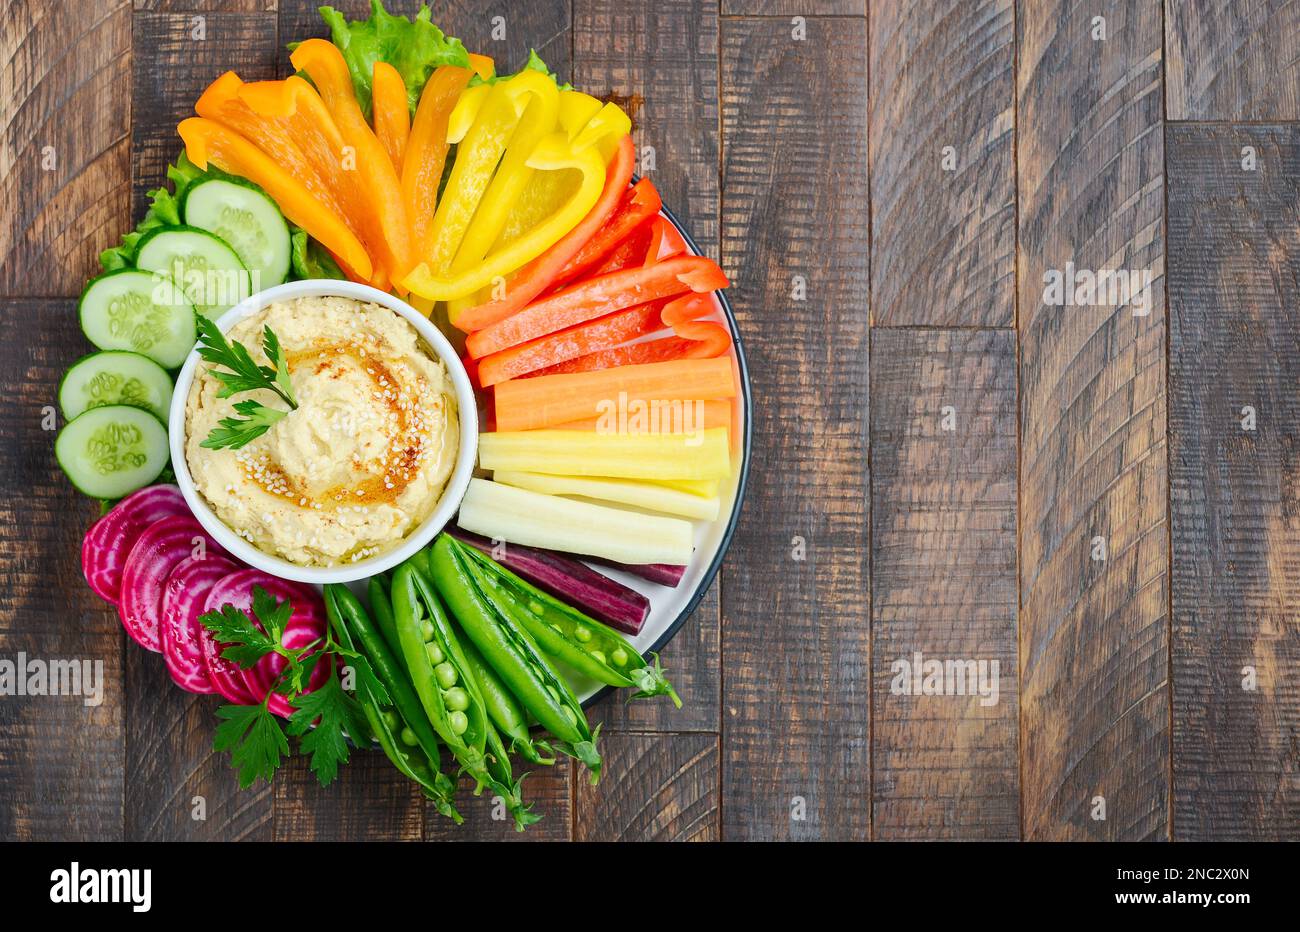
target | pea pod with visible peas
x=504, y=709
x=575, y=639
x=511, y=652
x=445, y=686
x=385, y=721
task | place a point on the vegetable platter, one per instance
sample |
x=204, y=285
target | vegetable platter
x=416, y=419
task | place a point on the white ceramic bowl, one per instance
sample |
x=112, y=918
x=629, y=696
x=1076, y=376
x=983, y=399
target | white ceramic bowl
x=467, y=412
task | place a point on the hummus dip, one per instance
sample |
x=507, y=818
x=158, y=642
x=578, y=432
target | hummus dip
x=364, y=458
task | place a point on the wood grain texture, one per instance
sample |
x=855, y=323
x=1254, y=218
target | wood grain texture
x=169, y=761
x=370, y=801
x=206, y=6
x=1234, y=264
x=1229, y=60
x=60, y=759
x=943, y=234
x=943, y=581
x=179, y=56
x=177, y=787
x=655, y=788
x=65, y=110
x=1093, y=633
x=499, y=28
x=794, y=8
x=795, y=595
x=548, y=789
x=665, y=55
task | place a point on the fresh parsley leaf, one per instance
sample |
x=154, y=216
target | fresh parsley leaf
x=234, y=432
x=365, y=675
x=272, y=613
x=241, y=373
x=255, y=740
x=246, y=643
x=338, y=716
x=271, y=346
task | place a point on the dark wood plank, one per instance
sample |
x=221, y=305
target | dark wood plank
x=664, y=64
x=655, y=788
x=547, y=788
x=207, y=6
x=1230, y=60
x=943, y=582
x=1234, y=264
x=369, y=801
x=795, y=591
x=941, y=136
x=692, y=662
x=499, y=28
x=803, y=8
x=177, y=787
x=170, y=764
x=1093, y=633
x=60, y=759
x=64, y=124
x=175, y=66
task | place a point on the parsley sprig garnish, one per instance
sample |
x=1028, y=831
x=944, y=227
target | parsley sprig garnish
x=242, y=374
x=254, y=736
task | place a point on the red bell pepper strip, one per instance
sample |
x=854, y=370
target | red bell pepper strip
x=637, y=205
x=582, y=340
x=693, y=339
x=597, y=297
x=537, y=275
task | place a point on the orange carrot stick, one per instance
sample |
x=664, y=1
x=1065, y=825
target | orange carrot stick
x=528, y=404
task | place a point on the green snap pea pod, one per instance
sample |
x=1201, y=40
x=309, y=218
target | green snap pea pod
x=381, y=610
x=573, y=638
x=437, y=786
x=503, y=708
x=444, y=684
x=513, y=655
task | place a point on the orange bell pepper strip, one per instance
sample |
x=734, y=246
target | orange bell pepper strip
x=537, y=275
x=324, y=64
x=390, y=112
x=482, y=65
x=224, y=102
x=426, y=149
x=207, y=140
x=597, y=297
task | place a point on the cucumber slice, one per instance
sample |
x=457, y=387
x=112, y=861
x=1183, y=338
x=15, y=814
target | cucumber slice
x=111, y=451
x=141, y=312
x=246, y=219
x=115, y=377
x=203, y=265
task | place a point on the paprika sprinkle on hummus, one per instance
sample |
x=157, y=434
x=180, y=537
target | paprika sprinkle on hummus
x=361, y=462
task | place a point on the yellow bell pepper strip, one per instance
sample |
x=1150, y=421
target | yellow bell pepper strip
x=604, y=130
x=477, y=156
x=552, y=154
x=512, y=176
x=426, y=148
x=327, y=69
x=576, y=111
x=534, y=278
x=483, y=66
x=390, y=113
x=466, y=112
x=207, y=140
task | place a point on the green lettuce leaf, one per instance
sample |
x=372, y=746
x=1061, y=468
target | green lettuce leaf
x=414, y=48
x=309, y=259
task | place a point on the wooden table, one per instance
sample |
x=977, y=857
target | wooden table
x=1105, y=502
